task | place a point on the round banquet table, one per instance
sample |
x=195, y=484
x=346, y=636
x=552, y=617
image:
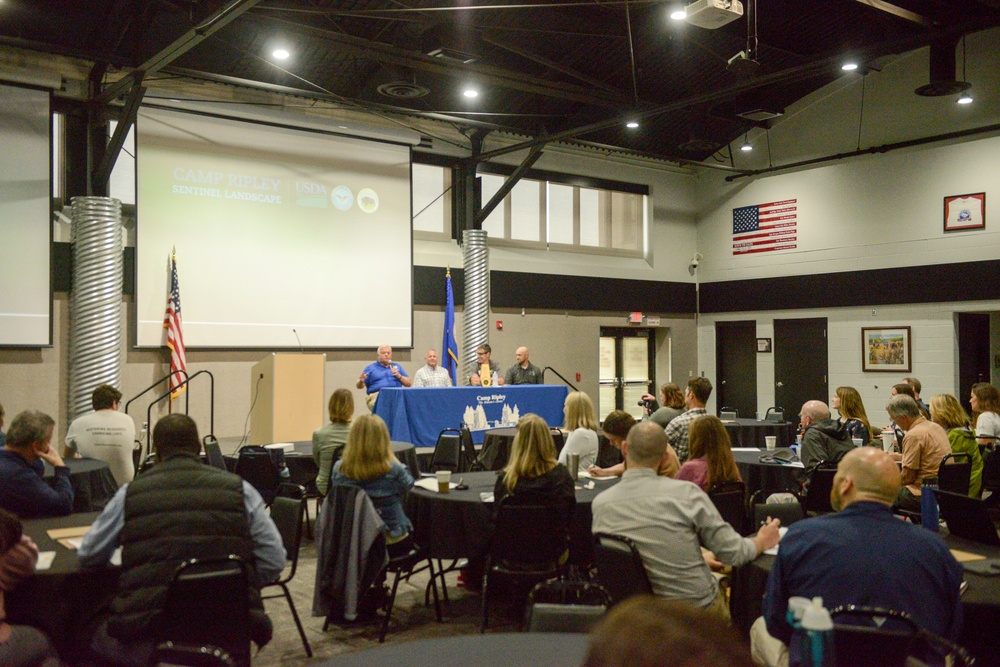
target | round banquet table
x=458, y=524
x=501, y=649
x=751, y=432
x=497, y=444
x=771, y=477
x=92, y=482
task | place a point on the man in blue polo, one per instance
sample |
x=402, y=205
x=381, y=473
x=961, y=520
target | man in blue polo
x=382, y=374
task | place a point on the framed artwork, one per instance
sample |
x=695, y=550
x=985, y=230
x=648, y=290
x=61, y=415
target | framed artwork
x=965, y=212
x=763, y=344
x=886, y=349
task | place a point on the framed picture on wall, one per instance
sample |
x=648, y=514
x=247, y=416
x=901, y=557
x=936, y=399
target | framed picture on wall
x=886, y=349
x=965, y=212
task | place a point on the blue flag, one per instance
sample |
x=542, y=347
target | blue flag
x=449, y=348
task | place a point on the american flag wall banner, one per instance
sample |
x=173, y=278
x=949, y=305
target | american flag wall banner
x=765, y=227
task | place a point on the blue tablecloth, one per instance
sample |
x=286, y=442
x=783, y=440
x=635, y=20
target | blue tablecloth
x=419, y=414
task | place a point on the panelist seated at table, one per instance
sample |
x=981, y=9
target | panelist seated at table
x=477, y=368
x=616, y=427
x=22, y=489
x=860, y=555
x=380, y=374
x=670, y=521
x=20, y=645
x=523, y=371
x=177, y=510
x=431, y=374
x=104, y=434
x=580, y=428
x=329, y=441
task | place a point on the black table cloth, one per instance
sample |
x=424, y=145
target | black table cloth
x=92, y=481
x=771, y=477
x=751, y=432
x=458, y=524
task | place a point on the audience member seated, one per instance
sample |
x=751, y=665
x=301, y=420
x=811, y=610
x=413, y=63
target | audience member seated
x=22, y=489
x=368, y=463
x=985, y=403
x=860, y=555
x=523, y=371
x=949, y=414
x=925, y=409
x=532, y=476
x=924, y=446
x=380, y=374
x=20, y=645
x=177, y=510
x=670, y=521
x=430, y=374
x=847, y=401
x=580, y=425
x=696, y=395
x=711, y=456
x=616, y=427
x=329, y=440
x=823, y=439
x=104, y=434
x=673, y=404
x=907, y=390
x=647, y=631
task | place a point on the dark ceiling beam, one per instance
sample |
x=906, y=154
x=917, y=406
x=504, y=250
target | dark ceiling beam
x=541, y=60
x=179, y=47
x=889, y=8
x=492, y=75
x=508, y=185
x=103, y=171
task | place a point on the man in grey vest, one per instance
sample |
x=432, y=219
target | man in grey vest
x=178, y=510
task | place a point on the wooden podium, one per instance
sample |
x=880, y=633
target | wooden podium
x=290, y=405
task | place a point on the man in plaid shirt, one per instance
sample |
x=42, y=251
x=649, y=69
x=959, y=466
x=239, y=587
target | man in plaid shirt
x=695, y=396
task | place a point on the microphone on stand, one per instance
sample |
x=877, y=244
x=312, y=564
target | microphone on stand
x=301, y=349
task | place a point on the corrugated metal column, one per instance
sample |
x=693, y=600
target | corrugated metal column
x=476, y=314
x=95, y=307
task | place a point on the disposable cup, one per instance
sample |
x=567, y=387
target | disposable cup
x=444, y=480
x=888, y=441
x=771, y=441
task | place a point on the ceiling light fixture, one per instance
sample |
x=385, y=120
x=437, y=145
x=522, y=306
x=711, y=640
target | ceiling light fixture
x=746, y=147
x=678, y=14
x=632, y=124
x=280, y=54
x=965, y=98
x=849, y=66
x=470, y=92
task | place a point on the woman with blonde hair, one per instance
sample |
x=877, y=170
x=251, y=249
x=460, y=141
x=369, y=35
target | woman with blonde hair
x=581, y=427
x=847, y=401
x=329, y=440
x=532, y=475
x=949, y=414
x=710, y=455
x=368, y=463
x=985, y=403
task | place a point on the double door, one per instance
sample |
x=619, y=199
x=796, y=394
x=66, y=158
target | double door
x=627, y=369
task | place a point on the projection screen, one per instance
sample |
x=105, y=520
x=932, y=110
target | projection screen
x=281, y=235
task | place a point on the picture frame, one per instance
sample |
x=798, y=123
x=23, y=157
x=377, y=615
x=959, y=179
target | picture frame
x=886, y=350
x=763, y=344
x=965, y=212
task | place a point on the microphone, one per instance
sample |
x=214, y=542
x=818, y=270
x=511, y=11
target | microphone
x=301, y=349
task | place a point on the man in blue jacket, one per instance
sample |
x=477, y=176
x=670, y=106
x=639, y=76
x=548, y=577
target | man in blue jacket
x=22, y=489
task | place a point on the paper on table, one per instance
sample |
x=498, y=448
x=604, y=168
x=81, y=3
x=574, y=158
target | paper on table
x=45, y=559
x=431, y=483
x=584, y=473
x=965, y=556
x=71, y=542
x=773, y=551
x=746, y=449
x=75, y=531
x=486, y=497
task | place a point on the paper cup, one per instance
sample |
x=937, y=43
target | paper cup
x=888, y=441
x=858, y=441
x=771, y=441
x=444, y=480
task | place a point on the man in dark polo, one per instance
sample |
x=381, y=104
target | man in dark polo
x=178, y=510
x=523, y=372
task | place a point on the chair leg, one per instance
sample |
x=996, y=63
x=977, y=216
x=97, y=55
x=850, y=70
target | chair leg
x=389, y=605
x=298, y=623
x=444, y=585
x=433, y=584
x=305, y=514
x=486, y=599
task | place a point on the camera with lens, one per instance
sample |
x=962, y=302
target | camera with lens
x=650, y=405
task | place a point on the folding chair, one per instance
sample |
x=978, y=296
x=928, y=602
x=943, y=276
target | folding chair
x=565, y=606
x=775, y=414
x=287, y=516
x=214, y=453
x=954, y=473
x=876, y=637
x=729, y=413
x=620, y=569
x=256, y=466
x=730, y=499
x=817, y=496
x=447, y=451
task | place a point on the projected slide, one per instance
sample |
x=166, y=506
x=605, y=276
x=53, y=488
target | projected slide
x=278, y=232
x=25, y=218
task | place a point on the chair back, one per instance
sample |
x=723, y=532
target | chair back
x=955, y=472
x=730, y=499
x=558, y=438
x=447, y=451
x=207, y=604
x=991, y=469
x=257, y=467
x=729, y=413
x=469, y=457
x=214, y=453
x=775, y=414
x=817, y=498
x=883, y=637
x=619, y=567
x=529, y=534
x=549, y=617
x=286, y=513
x=788, y=513
x=170, y=654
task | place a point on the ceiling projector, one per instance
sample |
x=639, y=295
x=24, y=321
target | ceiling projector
x=713, y=14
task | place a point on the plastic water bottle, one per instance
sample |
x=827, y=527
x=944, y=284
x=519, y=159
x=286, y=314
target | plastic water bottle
x=928, y=504
x=817, y=636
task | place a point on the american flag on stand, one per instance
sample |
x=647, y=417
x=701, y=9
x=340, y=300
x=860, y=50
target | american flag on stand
x=765, y=227
x=175, y=334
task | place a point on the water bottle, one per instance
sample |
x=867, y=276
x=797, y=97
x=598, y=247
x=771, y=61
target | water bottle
x=817, y=636
x=928, y=504
x=574, y=465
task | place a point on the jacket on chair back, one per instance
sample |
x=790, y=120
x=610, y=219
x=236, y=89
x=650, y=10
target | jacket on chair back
x=177, y=510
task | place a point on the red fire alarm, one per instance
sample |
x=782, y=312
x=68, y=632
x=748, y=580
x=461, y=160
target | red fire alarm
x=499, y=325
x=635, y=318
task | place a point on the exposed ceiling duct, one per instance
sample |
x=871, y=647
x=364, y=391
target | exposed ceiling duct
x=943, y=79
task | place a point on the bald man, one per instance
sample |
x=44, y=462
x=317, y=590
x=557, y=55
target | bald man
x=823, y=439
x=523, y=371
x=861, y=555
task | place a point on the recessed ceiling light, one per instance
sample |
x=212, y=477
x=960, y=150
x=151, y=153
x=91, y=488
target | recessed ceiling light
x=280, y=54
x=678, y=14
x=849, y=67
x=632, y=124
x=965, y=98
x=746, y=147
x=470, y=92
